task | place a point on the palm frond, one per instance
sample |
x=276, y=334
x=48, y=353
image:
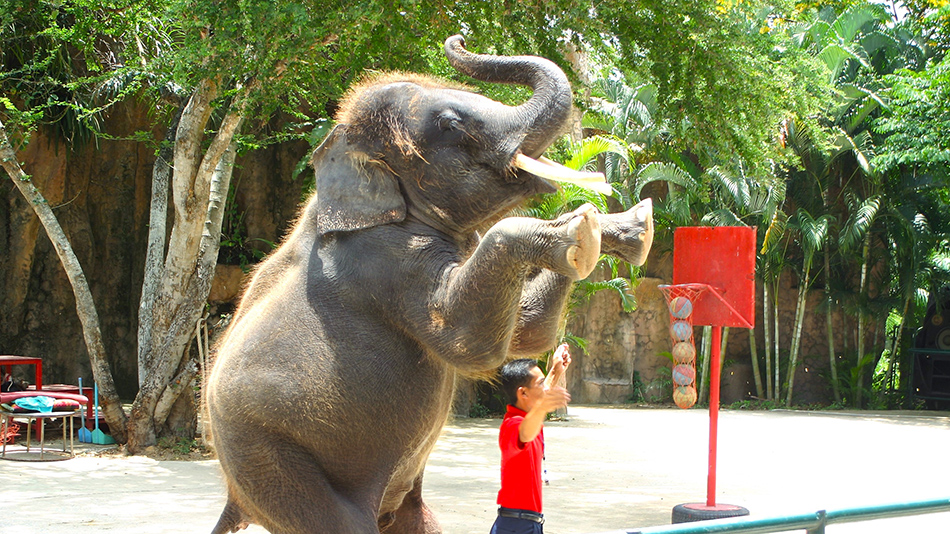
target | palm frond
x=722, y=217
x=861, y=146
x=835, y=55
x=597, y=120
x=584, y=153
x=619, y=285
x=850, y=24
x=859, y=223
x=858, y=103
x=664, y=172
x=775, y=232
x=812, y=233
x=636, y=111
x=736, y=185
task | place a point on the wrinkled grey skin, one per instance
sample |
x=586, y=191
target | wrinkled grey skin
x=337, y=374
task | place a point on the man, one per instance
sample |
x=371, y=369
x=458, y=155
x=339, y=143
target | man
x=531, y=396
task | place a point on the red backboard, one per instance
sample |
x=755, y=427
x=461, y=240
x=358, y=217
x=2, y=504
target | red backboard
x=722, y=257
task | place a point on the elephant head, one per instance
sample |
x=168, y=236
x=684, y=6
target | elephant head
x=411, y=146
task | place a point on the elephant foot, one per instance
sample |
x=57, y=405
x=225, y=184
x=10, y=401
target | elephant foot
x=583, y=232
x=629, y=235
x=233, y=518
x=413, y=517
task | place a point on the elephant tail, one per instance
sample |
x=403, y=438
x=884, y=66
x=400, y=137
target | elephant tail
x=232, y=518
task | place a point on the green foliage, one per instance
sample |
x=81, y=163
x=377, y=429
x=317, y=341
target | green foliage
x=299, y=57
x=756, y=404
x=66, y=63
x=850, y=377
x=236, y=248
x=917, y=128
x=656, y=391
x=178, y=445
x=479, y=411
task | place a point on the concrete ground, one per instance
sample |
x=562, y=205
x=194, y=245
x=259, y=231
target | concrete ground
x=609, y=469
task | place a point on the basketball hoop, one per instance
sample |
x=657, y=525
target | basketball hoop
x=713, y=268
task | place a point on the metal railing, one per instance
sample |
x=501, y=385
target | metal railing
x=812, y=523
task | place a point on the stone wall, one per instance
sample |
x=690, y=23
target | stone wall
x=100, y=194
x=619, y=344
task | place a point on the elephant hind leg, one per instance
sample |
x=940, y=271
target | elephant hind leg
x=232, y=518
x=287, y=492
x=412, y=517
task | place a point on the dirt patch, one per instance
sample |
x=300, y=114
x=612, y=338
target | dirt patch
x=180, y=451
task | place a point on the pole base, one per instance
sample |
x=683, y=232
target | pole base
x=687, y=513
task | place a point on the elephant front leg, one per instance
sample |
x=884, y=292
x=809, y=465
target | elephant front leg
x=569, y=245
x=542, y=313
x=475, y=311
x=629, y=235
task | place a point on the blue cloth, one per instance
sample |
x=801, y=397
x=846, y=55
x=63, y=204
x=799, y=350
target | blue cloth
x=39, y=403
x=511, y=525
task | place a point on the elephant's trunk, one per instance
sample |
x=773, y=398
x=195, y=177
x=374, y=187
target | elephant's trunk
x=545, y=114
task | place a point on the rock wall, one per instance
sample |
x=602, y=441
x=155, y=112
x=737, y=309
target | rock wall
x=100, y=193
x=619, y=344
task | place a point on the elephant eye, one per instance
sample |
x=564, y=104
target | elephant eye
x=449, y=121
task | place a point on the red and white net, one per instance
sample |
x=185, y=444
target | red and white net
x=9, y=432
x=680, y=299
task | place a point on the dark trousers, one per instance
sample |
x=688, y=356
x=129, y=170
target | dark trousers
x=513, y=525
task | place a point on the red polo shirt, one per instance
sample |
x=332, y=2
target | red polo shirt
x=520, y=465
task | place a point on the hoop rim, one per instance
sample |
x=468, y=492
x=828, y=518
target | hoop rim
x=699, y=287
x=693, y=285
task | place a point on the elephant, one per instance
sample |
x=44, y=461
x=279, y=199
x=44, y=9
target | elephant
x=402, y=273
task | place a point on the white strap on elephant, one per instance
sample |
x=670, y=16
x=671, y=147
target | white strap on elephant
x=550, y=170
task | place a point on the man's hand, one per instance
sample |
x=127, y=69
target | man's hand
x=554, y=398
x=560, y=361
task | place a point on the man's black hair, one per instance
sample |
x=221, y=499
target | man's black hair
x=515, y=374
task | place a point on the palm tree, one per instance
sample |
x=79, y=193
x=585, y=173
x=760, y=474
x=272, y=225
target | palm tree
x=857, y=48
x=812, y=234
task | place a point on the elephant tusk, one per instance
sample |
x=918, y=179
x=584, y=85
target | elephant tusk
x=545, y=168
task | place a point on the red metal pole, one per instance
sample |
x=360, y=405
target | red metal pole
x=713, y=413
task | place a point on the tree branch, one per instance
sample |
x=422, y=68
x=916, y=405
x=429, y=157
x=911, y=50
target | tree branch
x=188, y=144
x=176, y=387
x=155, y=253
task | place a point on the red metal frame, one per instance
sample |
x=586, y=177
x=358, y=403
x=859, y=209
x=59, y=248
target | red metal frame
x=7, y=363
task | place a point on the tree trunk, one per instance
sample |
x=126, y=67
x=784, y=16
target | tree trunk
x=859, y=375
x=796, y=336
x=722, y=348
x=85, y=306
x=897, y=358
x=767, y=333
x=778, y=372
x=199, y=195
x=705, y=350
x=155, y=253
x=829, y=322
x=754, y=356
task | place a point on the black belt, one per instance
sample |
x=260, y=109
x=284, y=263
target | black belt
x=521, y=514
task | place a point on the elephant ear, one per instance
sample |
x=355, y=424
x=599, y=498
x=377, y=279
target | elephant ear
x=353, y=192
